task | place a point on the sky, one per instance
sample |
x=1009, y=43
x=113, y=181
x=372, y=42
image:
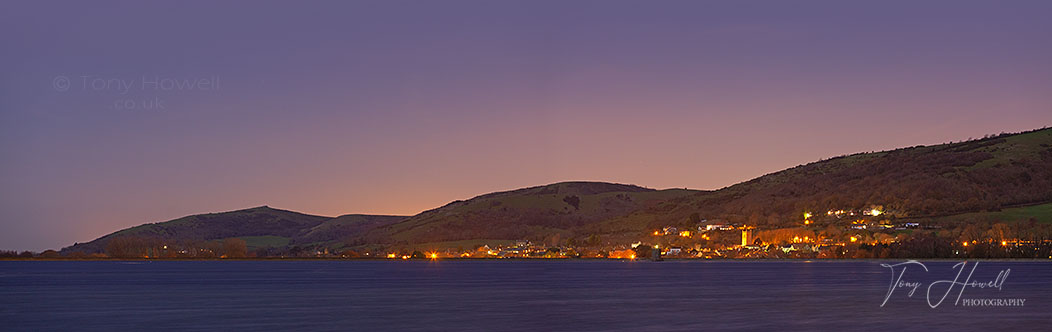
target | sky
x=114, y=114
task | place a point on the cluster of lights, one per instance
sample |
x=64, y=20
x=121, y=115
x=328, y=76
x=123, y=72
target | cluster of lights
x=798, y=239
x=871, y=212
x=1004, y=243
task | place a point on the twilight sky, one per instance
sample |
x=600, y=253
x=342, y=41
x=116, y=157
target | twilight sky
x=114, y=114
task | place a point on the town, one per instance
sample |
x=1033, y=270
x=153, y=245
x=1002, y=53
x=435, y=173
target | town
x=839, y=233
x=871, y=232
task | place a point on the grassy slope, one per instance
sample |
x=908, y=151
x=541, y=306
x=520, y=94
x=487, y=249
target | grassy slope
x=529, y=213
x=1041, y=213
x=339, y=231
x=948, y=179
x=943, y=179
x=259, y=221
x=1016, y=147
x=265, y=241
x=260, y=227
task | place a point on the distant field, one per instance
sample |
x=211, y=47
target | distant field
x=1016, y=147
x=266, y=241
x=1042, y=212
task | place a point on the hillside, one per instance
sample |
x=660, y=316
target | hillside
x=552, y=212
x=259, y=227
x=1006, y=177
x=971, y=179
x=922, y=181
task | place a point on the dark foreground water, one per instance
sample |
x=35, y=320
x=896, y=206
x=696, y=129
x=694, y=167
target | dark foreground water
x=510, y=295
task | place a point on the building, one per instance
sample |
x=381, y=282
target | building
x=746, y=236
x=623, y=254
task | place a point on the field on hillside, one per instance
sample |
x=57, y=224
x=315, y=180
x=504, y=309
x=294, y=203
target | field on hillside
x=266, y=241
x=1042, y=213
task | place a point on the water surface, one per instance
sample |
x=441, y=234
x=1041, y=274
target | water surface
x=491, y=295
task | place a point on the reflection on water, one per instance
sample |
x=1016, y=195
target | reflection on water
x=500, y=295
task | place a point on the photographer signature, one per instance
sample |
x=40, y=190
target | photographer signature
x=898, y=270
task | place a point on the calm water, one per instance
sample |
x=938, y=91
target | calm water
x=505, y=295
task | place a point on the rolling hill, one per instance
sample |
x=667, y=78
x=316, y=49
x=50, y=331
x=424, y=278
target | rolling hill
x=260, y=227
x=988, y=174
x=552, y=212
x=1002, y=177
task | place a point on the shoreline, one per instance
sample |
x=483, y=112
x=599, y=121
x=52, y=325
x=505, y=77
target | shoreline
x=531, y=259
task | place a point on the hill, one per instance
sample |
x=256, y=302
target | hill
x=972, y=180
x=552, y=213
x=1006, y=177
x=987, y=174
x=260, y=227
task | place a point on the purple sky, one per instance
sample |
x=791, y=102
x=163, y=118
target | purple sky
x=396, y=107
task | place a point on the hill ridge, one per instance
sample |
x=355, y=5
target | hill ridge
x=985, y=174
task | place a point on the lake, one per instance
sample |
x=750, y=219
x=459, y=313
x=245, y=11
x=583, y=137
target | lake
x=487, y=295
